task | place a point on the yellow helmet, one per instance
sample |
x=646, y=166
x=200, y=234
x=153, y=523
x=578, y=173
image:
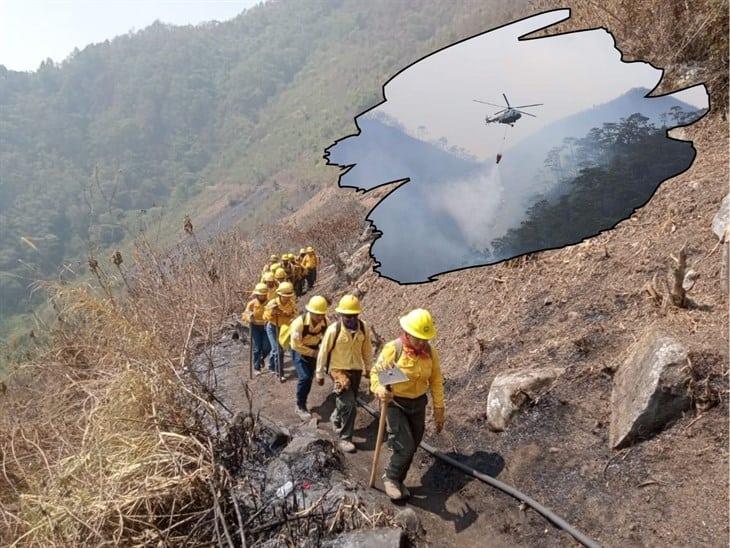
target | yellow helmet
x=349, y=304
x=302, y=251
x=274, y=267
x=309, y=249
x=285, y=289
x=317, y=305
x=260, y=289
x=290, y=256
x=268, y=276
x=280, y=274
x=419, y=323
x=274, y=258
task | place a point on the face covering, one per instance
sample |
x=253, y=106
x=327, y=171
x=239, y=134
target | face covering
x=350, y=322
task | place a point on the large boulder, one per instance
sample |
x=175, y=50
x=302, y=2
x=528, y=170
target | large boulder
x=381, y=537
x=721, y=221
x=649, y=389
x=358, y=263
x=510, y=390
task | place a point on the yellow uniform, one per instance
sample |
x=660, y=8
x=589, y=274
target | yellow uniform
x=279, y=313
x=351, y=351
x=306, y=341
x=256, y=309
x=423, y=373
x=271, y=293
x=310, y=261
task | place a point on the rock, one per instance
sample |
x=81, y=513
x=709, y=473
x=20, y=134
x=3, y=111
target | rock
x=510, y=390
x=382, y=537
x=721, y=221
x=649, y=389
x=573, y=315
x=358, y=263
x=408, y=520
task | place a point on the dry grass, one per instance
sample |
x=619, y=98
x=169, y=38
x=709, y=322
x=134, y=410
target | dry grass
x=111, y=437
x=688, y=39
x=107, y=438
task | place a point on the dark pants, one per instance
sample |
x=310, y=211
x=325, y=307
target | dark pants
x=406, y=424
x=305, y=367
x=346, y=404
x=311, y=278
x=261, y=345
x=299, y=287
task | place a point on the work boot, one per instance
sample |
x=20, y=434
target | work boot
x=347, y=446
x=303, y=413
x=282, y=379
x=393, y=489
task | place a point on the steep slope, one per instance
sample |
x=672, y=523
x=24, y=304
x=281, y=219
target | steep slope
x=137, y=129
x=580, y=308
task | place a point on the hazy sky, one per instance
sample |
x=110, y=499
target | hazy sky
x=33, y=30
x=568, y=73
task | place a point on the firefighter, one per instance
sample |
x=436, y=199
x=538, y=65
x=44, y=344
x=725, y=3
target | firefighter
x=279, y=311
x=301, y=271
x=271, y=285
x=307, y=331
x=281, y=276
x=272, y=260
x=253, y=316
x=310, y=263
x=406, y=413
x=345, y=353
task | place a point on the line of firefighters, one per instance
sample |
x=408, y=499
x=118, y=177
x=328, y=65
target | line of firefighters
x=342, y=349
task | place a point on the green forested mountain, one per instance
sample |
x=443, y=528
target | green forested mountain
x=169, y=119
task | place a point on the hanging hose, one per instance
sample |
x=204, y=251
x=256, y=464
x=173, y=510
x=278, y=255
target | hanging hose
x=539, y=508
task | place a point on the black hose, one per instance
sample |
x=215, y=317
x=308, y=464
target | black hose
x=539, y=508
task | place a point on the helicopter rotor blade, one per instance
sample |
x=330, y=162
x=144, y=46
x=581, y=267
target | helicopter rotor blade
x=523, y=112
x=525, y=106
x=499, y=112
x=485, y=103
x=505, y=99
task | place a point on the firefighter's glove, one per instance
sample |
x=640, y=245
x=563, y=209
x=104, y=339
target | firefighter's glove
x=383, y=394
x=438, y=418
x=341, y=380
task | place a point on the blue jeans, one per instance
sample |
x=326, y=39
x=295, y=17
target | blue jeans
x=261, y=345
x=305, y=367
x=276, y=362
x=277, y=359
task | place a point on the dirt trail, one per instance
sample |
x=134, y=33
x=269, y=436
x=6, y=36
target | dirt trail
x=450, y=505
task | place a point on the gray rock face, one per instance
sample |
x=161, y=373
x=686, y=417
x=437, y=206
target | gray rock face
x=510, y=390
x=721, y=221
x=649, y=389
x=358, y=263
x=408, y=520
x=382, y=537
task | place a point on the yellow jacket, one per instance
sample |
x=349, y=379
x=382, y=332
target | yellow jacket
x=271, y=294
x=307, y=345
x=350, y=351
x=257, y=309
x=310, y=261
x=279, y=313
x=423, y=374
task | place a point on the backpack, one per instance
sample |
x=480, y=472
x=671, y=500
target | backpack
x=285, y=333
x=399, y=350
x=360, y=327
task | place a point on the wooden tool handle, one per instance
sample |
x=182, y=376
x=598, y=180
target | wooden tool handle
x=378, y=442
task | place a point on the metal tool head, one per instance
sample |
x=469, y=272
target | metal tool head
x=387, y=377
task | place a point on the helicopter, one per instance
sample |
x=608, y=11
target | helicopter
x=507, y=115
